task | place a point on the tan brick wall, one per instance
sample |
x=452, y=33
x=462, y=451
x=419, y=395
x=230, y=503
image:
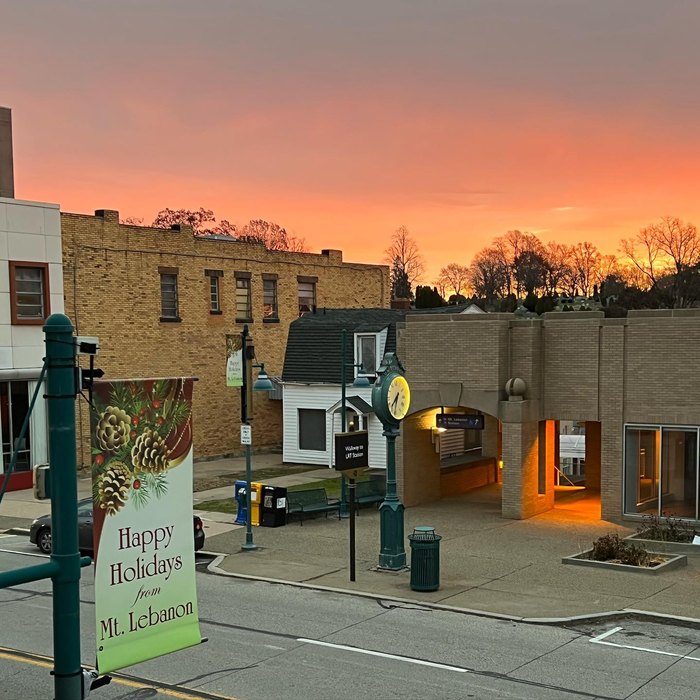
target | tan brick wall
x=520, y=498
x=459, y=480
x=662, y=382
x=607, y=372
x=570, y=362
x=418, y=465
x=112, y=290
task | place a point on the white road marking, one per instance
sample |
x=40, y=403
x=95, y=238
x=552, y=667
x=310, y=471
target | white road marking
x=601, y=637
x=25, y=554
x=606, y=634
x=395, y=657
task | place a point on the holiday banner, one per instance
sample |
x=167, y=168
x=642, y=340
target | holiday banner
x=145, y=587
x=234, y=360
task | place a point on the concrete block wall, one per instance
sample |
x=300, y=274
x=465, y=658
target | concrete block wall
x=113, y=292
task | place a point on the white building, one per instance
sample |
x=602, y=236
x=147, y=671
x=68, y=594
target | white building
x=31, y=288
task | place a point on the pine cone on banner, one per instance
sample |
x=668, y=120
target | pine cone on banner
x=113, y=429
x=150, y=454
x=114, y=487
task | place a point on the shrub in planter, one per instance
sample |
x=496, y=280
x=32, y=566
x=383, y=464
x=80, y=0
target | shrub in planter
x=666, y=529
x=614, y=548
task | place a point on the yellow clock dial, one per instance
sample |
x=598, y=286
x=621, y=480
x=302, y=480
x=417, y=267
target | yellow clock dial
x=398, y=397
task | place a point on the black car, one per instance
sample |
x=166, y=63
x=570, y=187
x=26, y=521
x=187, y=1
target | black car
x=40, y=531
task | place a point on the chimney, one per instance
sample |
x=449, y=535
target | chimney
x=7, y=176
x=399, y=303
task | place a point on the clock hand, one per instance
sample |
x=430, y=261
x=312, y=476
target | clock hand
x=394, y=402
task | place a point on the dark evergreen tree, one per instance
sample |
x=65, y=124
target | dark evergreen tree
x=428, y=298
x=400, y=283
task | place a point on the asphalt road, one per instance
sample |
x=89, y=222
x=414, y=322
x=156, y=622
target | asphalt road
x=274, y=641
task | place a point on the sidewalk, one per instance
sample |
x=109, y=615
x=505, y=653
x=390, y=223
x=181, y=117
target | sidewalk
x=488, y=564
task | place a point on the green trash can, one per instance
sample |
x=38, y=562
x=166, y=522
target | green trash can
x=425, y=559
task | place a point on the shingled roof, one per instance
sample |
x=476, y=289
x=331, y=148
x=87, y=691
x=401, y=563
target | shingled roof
x=315, y=340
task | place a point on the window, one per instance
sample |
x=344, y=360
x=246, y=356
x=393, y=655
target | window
x=307, y=294
x=367, y=354
x=168, y=294
x=214, y=290
x=312, y=429
x=29, y=292
x=14, y=405
x=661, y=470
x=270, y=310
x=244, y=310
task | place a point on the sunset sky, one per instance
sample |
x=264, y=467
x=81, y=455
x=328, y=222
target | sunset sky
x=460, y=119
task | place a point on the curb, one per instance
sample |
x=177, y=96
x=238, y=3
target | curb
x=611, y=615
x=18, y=531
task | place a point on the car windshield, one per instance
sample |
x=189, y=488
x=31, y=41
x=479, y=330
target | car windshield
x=85, y=509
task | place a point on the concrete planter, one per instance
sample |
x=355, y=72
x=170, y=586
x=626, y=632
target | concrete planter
x=663, y=546
x=670, y=561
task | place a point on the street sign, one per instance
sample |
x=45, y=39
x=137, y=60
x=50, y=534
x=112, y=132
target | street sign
x=457, y=421
x=351, y=450
x=246, y=435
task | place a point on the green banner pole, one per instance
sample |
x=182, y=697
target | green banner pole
x=60, y=393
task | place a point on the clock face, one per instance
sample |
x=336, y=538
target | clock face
x=398, y=397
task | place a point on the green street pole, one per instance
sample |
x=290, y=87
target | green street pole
x=392, y=554
x=249, y=544
x=60, y=393
x=343, y=512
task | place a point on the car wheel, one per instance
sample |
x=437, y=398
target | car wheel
x=43, y=540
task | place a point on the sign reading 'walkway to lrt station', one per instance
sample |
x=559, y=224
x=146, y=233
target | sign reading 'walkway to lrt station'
x=351, y=450
x=457, y=421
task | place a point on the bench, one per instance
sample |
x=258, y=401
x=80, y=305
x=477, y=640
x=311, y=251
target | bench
x=311, y=501
x=367, y=492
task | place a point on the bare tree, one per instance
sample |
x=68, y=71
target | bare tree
x=585, y=260
x=454, y=277
x=197, y=219
x=510, y=249
x=441, y=286
x=203, y=223
x=403, y=252
x=645, y=255
x=488, y=275
x=272, y=236
x=608, y=266
x=557, y=266
x=669, y=248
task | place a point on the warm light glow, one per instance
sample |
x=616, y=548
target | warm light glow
x=331, y=141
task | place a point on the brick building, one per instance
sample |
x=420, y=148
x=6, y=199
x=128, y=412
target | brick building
x=163, y=301
x=632, y=382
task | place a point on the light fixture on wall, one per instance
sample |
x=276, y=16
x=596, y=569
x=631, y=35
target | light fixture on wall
x=435, y=437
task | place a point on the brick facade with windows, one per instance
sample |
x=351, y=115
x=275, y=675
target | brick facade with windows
x=114, y=290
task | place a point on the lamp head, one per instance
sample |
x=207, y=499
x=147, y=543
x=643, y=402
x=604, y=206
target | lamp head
x=262, y=383
x=361, y=382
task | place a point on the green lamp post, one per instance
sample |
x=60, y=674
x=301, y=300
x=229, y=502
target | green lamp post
x=262, y=383
x=391, y=398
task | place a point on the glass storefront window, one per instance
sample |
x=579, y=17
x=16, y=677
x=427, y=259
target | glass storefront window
x=679, y=472
x=14, y=404
x=661, y=471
